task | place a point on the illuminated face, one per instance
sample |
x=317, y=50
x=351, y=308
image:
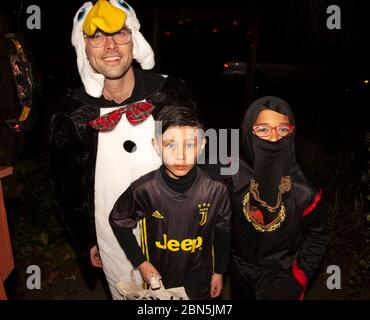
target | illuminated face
x=111, y=60
x=179, y=147
x=272, y=126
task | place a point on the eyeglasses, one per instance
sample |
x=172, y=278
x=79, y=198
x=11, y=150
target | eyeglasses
x=263, y=131
x=98, y=40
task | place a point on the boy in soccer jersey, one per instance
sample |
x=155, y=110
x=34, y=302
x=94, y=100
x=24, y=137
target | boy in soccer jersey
x=184, y=215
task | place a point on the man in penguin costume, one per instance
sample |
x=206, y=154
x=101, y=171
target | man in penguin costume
x=101, y=137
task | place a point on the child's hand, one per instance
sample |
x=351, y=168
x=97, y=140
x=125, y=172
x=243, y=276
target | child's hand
x=216, y=285
x=147, y=270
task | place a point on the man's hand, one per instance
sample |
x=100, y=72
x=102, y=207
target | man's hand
x=216, y=285
x=95, y=257
x=147, y=270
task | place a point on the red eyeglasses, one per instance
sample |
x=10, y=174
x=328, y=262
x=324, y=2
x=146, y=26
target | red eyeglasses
x=266, y=130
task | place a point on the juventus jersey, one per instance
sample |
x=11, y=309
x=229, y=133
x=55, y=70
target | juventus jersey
x=176, y=230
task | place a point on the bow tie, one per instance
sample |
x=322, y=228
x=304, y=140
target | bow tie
x=135, y=113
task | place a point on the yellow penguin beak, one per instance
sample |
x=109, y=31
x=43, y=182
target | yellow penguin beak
x=104, y=16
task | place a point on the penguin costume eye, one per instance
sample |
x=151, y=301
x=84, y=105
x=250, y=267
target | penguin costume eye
x=81, y=14
x=123, y=4
x=129, y=146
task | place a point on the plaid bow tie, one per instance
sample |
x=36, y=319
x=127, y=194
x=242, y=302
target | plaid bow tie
x=135, y=112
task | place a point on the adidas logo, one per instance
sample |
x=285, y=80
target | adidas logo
x=157, y=214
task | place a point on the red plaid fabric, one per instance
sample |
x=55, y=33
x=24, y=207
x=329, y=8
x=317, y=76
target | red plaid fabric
x=135, y=112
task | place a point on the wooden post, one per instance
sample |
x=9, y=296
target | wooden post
x=6, y=254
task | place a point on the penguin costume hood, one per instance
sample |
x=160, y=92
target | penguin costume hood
x=110, y=17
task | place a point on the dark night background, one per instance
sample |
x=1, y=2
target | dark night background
x=322, y=73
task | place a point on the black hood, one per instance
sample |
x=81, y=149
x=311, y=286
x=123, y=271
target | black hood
x=271, y=199
x=265, y=103
x=270, y=163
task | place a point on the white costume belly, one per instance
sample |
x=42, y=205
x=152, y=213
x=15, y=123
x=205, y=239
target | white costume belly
x=115, y=169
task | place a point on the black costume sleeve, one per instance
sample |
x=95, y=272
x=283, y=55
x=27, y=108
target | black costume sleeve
x=67, y=160
x=128, y=243
x=222, y=232
x=66, y=163
x=316, y=236
x=127, y=210
x=223, y=220
x=123, y=218
x=221, y=250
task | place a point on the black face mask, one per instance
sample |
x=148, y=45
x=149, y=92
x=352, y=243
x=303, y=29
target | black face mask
x=271, y=162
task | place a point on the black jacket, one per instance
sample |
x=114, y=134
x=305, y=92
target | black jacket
x=73, y=154
x=276, y=251
x=182, y=252
x=302, y=236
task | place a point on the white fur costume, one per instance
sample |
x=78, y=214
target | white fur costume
x=115, y=170
x=115, y=167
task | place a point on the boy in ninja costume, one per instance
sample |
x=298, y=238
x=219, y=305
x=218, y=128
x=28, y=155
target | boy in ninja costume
x=101, y=138
x=279, y=234
x=184, y=215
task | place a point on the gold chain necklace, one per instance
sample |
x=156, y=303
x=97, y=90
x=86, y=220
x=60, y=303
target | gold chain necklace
x=284, y=186
x=272, y=226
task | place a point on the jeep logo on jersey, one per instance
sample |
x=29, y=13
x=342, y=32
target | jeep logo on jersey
x=185, y=245
x=203, y=212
